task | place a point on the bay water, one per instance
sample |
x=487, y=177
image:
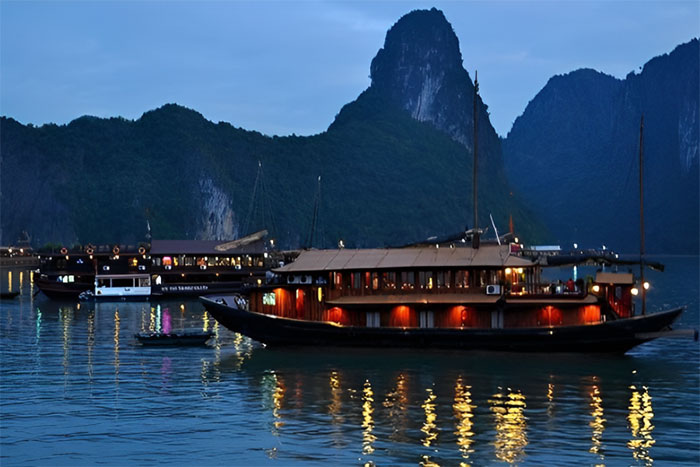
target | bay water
x=77, y=389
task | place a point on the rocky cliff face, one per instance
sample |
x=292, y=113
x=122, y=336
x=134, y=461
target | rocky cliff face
x=573, y=154
x=420, y=70
x=217, y=221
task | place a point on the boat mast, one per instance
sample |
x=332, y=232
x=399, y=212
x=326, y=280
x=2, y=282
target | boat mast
x=641, y=213
x=475, y=235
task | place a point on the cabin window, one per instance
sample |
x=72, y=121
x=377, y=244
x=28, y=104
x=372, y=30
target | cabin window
x=389, y=280
x=269, y=299
x=144, y=282
x=337, y=280
x=122, y=282
x=462, y=279
x=356, y=279
x=427, y=319
x=373, y=320
x=368, y=280
x=375, y=281
x=448, y=279
x=440, y=279
x=408, y=280
x=422, y=279
x=103, y=283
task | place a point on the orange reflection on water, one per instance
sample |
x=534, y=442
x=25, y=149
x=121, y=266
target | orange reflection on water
x=597, y=422
x=511, y=426
x=367, y=419
x=395, y=402
x=429, y=426
x=274, y=390
x=464, y=413
x=640, y=417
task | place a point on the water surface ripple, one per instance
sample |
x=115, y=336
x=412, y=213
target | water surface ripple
x=77, y=389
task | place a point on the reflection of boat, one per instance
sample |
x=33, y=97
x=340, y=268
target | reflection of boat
x=175, y=338
x=8, y=295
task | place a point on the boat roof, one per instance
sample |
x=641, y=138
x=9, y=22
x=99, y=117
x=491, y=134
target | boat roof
x=490, y=256
x=623, y=278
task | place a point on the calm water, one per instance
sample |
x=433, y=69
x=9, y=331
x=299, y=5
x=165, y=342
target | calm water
x=75, y=389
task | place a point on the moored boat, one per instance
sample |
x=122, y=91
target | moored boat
x=488, y=298
x=174, y=338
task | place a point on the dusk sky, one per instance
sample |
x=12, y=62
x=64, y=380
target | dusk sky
x=289, y=67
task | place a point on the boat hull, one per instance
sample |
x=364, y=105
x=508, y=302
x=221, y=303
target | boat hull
x=609, y=337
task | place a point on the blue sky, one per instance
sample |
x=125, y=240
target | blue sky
x=283, y=67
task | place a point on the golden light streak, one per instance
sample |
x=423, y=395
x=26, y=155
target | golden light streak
x=429, y=427
x=511, y=426
x=640, y=418
x=367, y=420
x=464, y=413
x=9, y=281
x=597, y=423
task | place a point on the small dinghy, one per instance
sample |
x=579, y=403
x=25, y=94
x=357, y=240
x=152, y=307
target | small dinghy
x=175, y=338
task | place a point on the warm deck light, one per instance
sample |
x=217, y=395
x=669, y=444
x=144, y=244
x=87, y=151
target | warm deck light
x=575, y=246
x=517, y=240
x=320, y=294
x=520, y=270
x=646, y=286
x=635, y=291
x=509, y=270
x=596, y=288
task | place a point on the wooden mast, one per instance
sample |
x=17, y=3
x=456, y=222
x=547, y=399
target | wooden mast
x=641, y=213
x=475, y=181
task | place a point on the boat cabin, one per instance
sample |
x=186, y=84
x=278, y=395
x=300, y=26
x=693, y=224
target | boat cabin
x=423, y=287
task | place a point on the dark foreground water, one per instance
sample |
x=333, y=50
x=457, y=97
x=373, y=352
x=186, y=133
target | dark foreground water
x=76, y=389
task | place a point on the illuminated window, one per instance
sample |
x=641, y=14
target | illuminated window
x=375, y=281
x=408, y=279
x=167, y=261
x=269, y=299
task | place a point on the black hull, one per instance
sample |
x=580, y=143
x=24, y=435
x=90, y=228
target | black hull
x=59, y=290
x=181, y=339
x=610, y=337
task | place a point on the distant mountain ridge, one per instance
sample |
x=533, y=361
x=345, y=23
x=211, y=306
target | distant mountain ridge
x=395, y=164
x=573, y=154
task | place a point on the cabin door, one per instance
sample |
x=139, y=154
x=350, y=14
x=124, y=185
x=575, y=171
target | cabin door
x=299, y=304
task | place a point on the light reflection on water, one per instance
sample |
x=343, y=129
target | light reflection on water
x=90, y=394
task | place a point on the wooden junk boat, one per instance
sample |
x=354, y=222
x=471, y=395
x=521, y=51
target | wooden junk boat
x=454, y=295
x=440, y=297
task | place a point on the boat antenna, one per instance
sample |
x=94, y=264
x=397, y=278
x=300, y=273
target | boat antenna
x=259, y=200
x=475, y=235
x=641, y=213
x=314, y=217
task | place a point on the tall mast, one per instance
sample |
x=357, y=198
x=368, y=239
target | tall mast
x=641, y=213
x=475, y=181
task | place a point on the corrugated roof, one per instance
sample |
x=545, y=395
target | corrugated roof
x=624, y=278
x=414, y=299
x=398, y=258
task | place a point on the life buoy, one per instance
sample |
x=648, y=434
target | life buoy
x=142, y=250
x=115, y=250
x=89, y=251
x=64, y=251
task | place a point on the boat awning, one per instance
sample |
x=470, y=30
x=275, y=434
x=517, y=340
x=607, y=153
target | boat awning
x=488, y=256
x=617, y=278
x=415, y=299
x=553, y=300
